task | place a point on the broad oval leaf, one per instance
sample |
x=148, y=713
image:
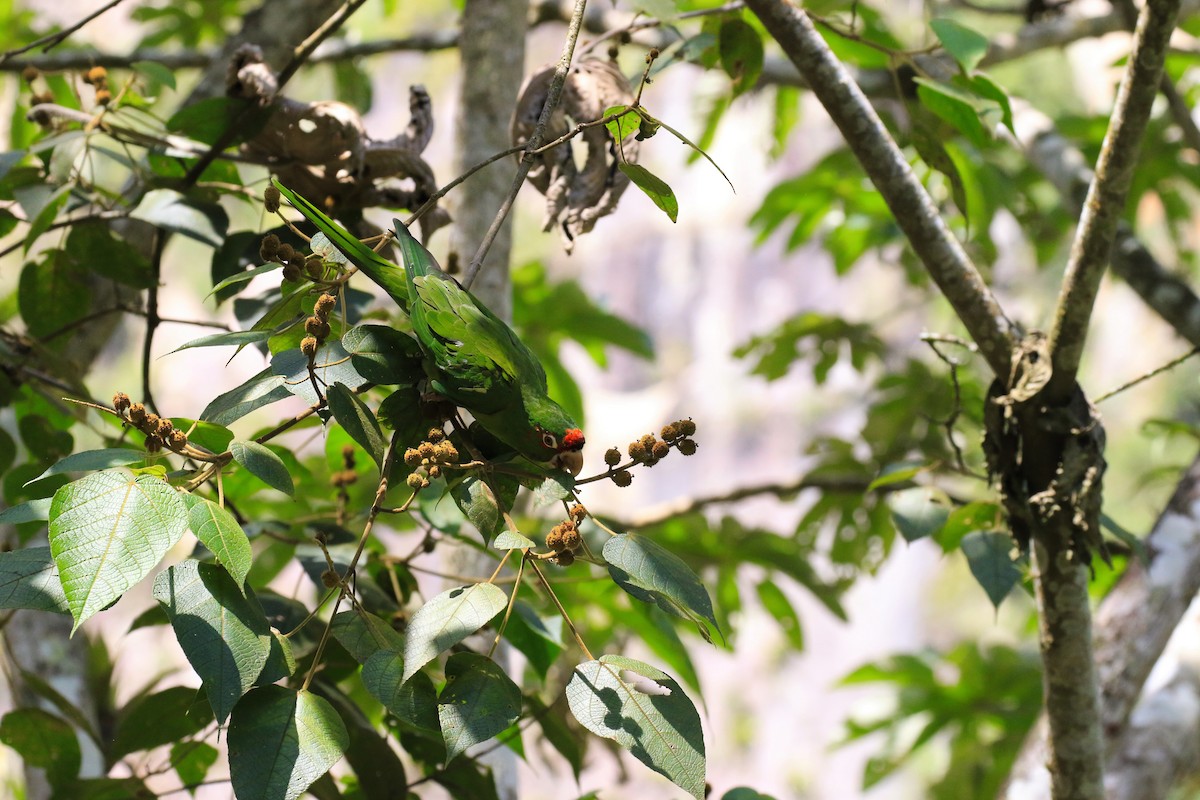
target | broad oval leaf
x=158, y=719
x=217, y=530
x=741, y=50
x=29, y=579
x=281, y=741
x=224, y=634
x=966, y=46
x=107, y=531
x=653, y=574
x=448, y=619
x=654, y=187
x=261, y=390
x=644, y=711
x=358, y=421
x=384, y=355
x=919, y=512
x=989, y=555
x=479, y=702
x=413, y=702
x=260, y=462
x=43, y=740
x=171, y=211
x=363, y=634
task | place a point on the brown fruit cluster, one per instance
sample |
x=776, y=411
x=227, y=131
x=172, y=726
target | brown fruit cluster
x=271, y=199
x=159, y=431
x=429, y=457
x=317, y=326
x=650, y=449
x=347, y=475
x=564, y=539
x=97, y=78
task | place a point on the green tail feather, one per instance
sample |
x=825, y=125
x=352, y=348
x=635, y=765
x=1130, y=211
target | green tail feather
x=387, y=275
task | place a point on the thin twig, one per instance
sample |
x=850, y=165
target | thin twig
x=535, y=141
x=160, y=243
x=1152, y=373
x=52, y=40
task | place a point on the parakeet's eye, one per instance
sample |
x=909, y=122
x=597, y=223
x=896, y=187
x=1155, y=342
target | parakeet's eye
x=549, y=441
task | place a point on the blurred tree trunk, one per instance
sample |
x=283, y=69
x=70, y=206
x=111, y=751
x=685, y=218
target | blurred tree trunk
x=492, y=44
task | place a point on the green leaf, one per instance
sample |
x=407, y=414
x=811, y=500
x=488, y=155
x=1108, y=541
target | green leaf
x=156, y=72
x=413, y=702
x=207, y=120
x=384, y=355
x=919, y=512
x=653, y=574
x=358, y=421
x=29, y=579
x=333, y=365
x=90, y=460
x=974, y=516
x=448, y=619
x=478, y=502
x=107, y=531
x=171, y=211
x=778, y=606
x=644, y=711
x=261, y=390
x=281, y=741
x=554, y=489
x=538, y=639
x=94, y=248
x=192, y=761
x=654, y=187
x=29, y=511
x=41, y=203
x=954, y=106
x=363, y=634
x=48, y=294
x=984, y=86
x=745, y=793
x=966, y=46
x=264, y=464
x=512, y=540
x=989, y=555
x=158, y=719
x=244, y=276
x=741, y=53
x=220, y=532
x=897, y=473
x=43, y=740
x=479, y=702
x=623, y=126
x=227, y=339
x=224, y=634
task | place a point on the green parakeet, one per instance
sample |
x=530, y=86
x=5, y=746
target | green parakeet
x=472, y=358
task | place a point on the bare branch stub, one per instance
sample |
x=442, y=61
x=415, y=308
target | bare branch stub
x=576, y=196
x=322, y=149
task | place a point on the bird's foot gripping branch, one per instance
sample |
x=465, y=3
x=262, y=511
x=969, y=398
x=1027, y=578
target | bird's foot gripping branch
x=393, y=401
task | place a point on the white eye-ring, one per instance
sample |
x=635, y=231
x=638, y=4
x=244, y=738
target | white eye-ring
x=549, y=441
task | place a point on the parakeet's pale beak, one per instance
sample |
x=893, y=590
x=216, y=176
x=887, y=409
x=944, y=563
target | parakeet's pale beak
x=569, y=460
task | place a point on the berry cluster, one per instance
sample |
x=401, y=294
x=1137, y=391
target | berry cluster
x=159, y=430
x=346, y=476
x=317, y=326
x=650, y=449
x=564, y=538
x=97, y=78
x=429, y=457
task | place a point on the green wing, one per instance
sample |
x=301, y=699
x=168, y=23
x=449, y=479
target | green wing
x=480, y=360
x=387, y=275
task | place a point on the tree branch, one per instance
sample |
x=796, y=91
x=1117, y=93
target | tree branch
x=887, y=168
x=1105, y=203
